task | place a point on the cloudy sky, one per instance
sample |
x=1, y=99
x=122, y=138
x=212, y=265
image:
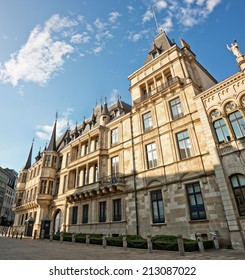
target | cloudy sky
x=66, y=56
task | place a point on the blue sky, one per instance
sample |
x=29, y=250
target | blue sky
x=65, y=56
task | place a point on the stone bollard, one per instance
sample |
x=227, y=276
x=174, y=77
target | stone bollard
x=51, y=237
x=125, y=242
x=180, y=242
x=61, y=237
x=34, y=234
x=149, y=244
x=73, y=238
x=21, y=235
x=104, y=241
x=9, y=233
x=12, y=234
x=16, y=235
x=42, y=234
x=87, y=239
x=216, y=242
x=200, y=242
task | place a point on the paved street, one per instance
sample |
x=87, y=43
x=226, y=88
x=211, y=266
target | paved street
x=28, y=249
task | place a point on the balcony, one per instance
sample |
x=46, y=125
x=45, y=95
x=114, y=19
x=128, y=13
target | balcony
x=106, y=185
x=166, y=85
x=115, y=179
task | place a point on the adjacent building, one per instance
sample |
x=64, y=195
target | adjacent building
x=8, y=179
x=157, y=166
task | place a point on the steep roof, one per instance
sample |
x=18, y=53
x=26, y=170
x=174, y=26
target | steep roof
x=52, y=143
x=28, y=162
x=160, y=44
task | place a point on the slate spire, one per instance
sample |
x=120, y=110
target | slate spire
x=28, y=162
x=52, y=143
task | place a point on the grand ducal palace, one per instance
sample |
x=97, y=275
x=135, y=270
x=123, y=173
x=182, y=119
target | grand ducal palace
x=171, y=162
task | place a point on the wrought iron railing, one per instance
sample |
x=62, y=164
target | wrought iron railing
x=158, y=89
x=116, y=178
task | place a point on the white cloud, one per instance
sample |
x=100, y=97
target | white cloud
x=43, y=132
x=99, y=24
x=113, y=16
x=184, y=13
x=161, y=5
x=80, y=38
x=136, y=36
x=113, y=96
x=211, y=4
x=147, y=16
x=130, y=8
x=167, y=24
x=41, y=56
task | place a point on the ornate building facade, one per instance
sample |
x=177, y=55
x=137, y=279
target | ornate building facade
x=157, y=166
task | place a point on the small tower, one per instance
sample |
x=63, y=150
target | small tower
x=105, y=115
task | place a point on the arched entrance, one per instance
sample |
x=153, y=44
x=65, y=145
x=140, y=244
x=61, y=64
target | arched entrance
x=57, y=221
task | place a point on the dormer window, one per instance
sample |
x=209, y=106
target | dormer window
x=155, y=54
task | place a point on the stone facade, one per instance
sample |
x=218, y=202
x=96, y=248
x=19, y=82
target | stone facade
x=151, y=168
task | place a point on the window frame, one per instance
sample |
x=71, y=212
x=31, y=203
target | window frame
x=187, y=151
x=197, y=207
x=74, y=215
x=114, y=136
x=102, y=211
x=236, y=121
x=147, y=121
x=176, y=107
x=117, y=210
x=239, y=193
x=223, y=129
x=157, y=207
x=151, y=155
x=85, y=216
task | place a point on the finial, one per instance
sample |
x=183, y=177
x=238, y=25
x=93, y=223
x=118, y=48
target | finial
x=56, y=115
x=105, y=100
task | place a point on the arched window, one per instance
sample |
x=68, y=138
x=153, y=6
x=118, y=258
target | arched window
x=238, y=124
x=221, y=131
x=238, y=185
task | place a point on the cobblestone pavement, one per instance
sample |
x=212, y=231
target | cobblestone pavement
x=28, y=249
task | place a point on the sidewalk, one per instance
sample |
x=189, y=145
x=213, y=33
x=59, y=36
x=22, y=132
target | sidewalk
x=28, y=249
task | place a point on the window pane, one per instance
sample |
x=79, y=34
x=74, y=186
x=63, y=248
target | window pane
x=196, y=203
x=157, y=207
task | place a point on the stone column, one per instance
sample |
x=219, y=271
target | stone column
x=200, y=242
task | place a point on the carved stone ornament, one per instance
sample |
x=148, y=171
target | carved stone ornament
x=243, y=100
x=215, y=114
x=230, y=106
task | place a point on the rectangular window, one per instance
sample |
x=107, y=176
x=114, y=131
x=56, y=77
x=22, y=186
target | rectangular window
x=176, y=108
x=102, y=211
x=74, y=215
x=114, y=136
x=47, y=161
x=117, y=211
x=184, y=144
x=85, y=214
x=151, y=154
x=114, y=165
x=147, y=121
x=196, y=204
x=67, y=158
x=157, y=207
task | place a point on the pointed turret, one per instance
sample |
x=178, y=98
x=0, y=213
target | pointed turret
x=161, y=43
x=52, y=143
x=105, y=115
x=28, y=162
